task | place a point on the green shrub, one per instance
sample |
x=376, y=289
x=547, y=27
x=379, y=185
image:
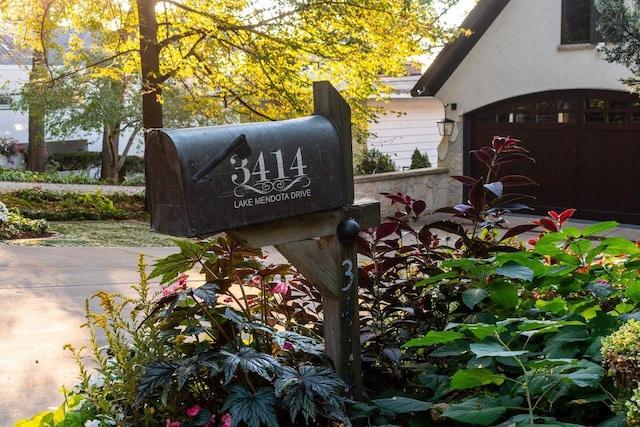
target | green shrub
x=373, y=161
x=484, y=329
x=13, y=225
x=621, y=361
x=86, y=160
x=135, y=180
x=15, y=175
x=419, y=160
x=72, y=206
x=621, y=354
x=134, y=165
x=74, y=160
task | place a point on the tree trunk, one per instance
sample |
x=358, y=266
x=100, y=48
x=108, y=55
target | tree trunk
x=150, y=65
x=110, y=170
x=36, y=151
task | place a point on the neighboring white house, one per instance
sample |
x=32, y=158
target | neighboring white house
x=14, y=72
x=535, y=70
x=15, y=124
x=409, y=123
x=12, y=124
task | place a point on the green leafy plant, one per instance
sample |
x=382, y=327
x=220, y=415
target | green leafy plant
x=68, y=206
x=15, y=175
x=232, y=357
x=494, y=332
x=503, y=362
x=419, y=160
x=525, y=344
x=13, y=225
x=97, y=202
x=134, y=180
x=373, y=161
x=621, y=361
x=74, y=160
x=235, y=351
x=621, y=354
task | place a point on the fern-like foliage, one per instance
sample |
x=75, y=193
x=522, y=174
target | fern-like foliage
x=299, y=342
x=163, y=374
x=311, y=391
x=248, y=360
x=254, y=408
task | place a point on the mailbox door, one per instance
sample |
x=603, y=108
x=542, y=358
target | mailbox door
x=164, y=186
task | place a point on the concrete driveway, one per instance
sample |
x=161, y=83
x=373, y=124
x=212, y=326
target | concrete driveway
x=42, y=294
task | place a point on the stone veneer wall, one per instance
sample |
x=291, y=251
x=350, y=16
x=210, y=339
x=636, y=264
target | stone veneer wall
x=433, y=185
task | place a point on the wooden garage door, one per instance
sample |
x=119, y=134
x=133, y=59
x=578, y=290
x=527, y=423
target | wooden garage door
x=586, y=144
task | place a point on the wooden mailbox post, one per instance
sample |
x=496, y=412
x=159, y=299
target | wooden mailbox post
x=288, y=184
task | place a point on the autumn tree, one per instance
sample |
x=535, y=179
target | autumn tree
x=84, y=76
x=256, y=60
x=101, y=80
x=619, y=23
x=204, y=62
x=33, y=36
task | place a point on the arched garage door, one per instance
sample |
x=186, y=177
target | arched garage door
x=586, y=144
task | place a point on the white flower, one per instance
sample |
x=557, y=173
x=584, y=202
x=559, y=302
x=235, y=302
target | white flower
x=92, y=423
x=4, y=213
x=96, y=380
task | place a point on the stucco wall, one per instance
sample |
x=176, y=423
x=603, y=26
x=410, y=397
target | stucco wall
x=433, y=185
x=520, y=54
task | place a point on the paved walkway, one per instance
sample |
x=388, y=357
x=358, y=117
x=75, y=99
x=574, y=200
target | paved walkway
x=42, y=293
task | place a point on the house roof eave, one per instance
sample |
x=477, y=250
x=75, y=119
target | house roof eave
x=478, y=21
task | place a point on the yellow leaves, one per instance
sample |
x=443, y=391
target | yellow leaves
x=226, y=59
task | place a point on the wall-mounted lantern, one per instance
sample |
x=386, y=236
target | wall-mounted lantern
x=445, y=125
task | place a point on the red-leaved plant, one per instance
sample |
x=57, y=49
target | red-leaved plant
x=488, y=201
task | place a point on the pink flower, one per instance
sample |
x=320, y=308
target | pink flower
x=226, y=420
x=176, y=287
x=287, y=346
x=211, y=422
x=194, y=410
x=228, y=300
x=257, y=280
x=281, y=287
x=169, y=423
x=182, y=282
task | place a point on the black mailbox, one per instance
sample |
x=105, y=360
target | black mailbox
x=205, y=180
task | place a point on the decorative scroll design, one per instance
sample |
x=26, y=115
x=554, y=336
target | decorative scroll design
x=266, y=187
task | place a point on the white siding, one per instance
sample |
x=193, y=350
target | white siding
x=410, y=123
x=13, y=124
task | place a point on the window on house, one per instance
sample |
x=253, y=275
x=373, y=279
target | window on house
x=579, y=19
x=5, y=101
